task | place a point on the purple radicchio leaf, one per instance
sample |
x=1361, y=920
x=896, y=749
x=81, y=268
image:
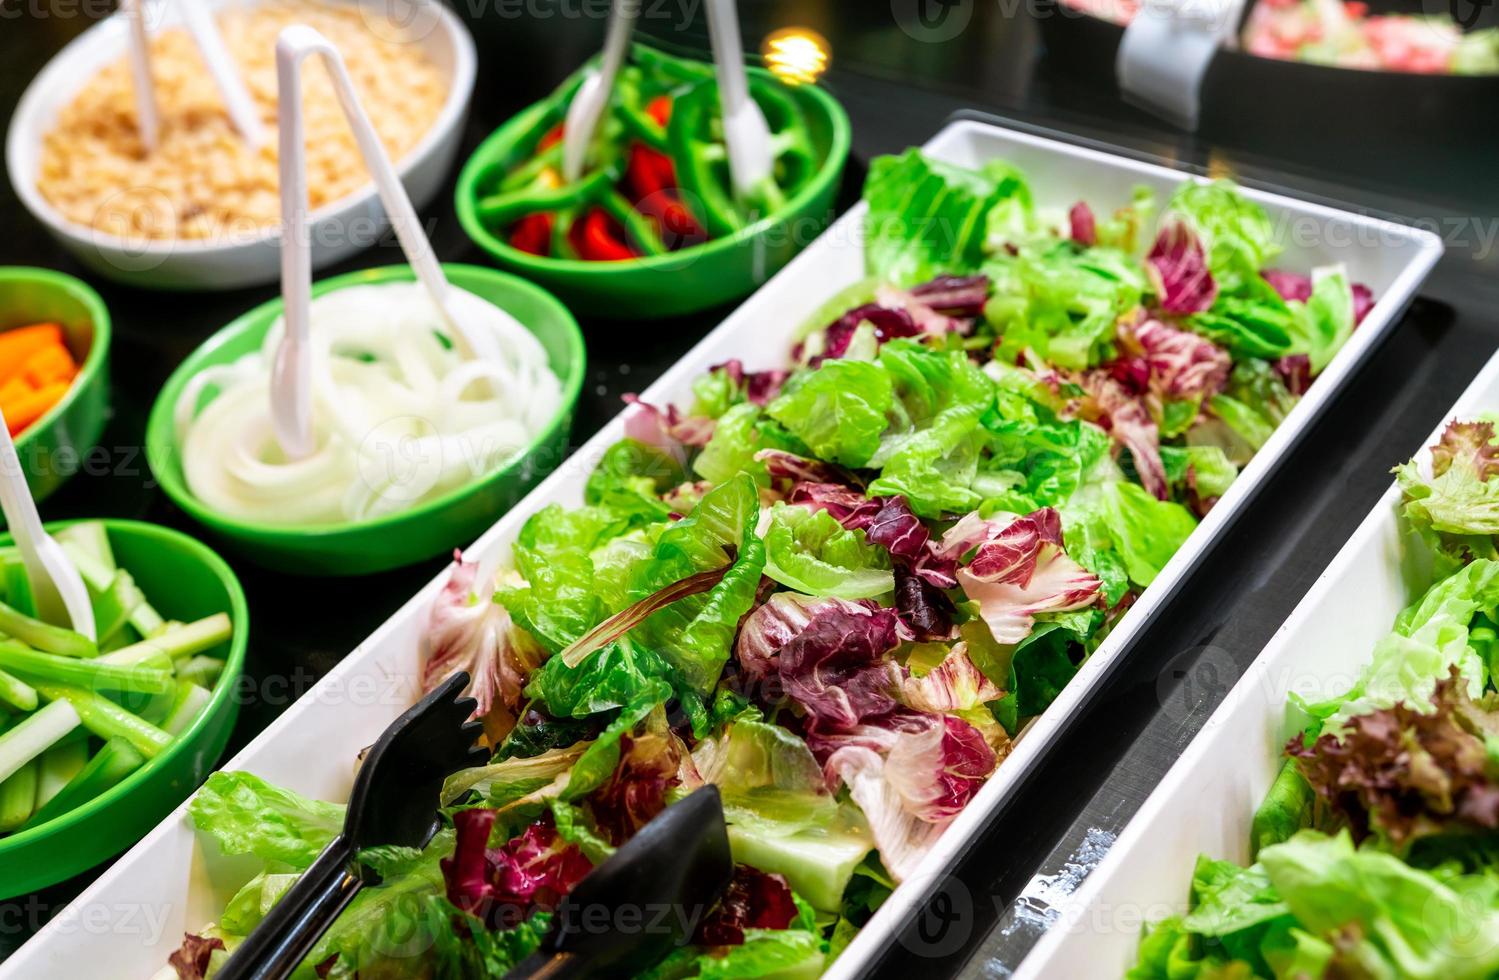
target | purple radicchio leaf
x=1022, y=571
x=1129, y=423
x=500, y=885
x=1181, y=364
x=888, y=324
x=668, y=430
x=837, y=671
x=753, y=900
x=778, y=621
x=1295, y=371
x=1180, y=267
x=468, y=631
x=782, y=465
x=955, y=296
x=911, y=782
x=1290, y=285
x=1081, y=225
x=923, y=607
x=759, y=387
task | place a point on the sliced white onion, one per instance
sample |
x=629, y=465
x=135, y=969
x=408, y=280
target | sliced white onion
x=399, y=416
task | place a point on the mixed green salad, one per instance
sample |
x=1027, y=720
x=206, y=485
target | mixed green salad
x=1376, y=852
x=839, y=588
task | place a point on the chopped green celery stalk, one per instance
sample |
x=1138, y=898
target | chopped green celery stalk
x=18, y=588
x=156, y=707
x=104, y=771
x=17, y=692
x=184, y=641
x=143, y=616
x=44, y=636
x=191, y=701
x=96, y=574
x=119, y=641
x=91, y=538
x=201, y=670
x=106, y=719
x=113, y=606
x=92, y=674
x=102, y=578
x=35, y=735
x=18, y=797
x=58, y=766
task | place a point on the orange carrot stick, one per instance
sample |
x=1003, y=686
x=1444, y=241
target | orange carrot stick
x=49, y=364
x=20, y=343
x=19, y=414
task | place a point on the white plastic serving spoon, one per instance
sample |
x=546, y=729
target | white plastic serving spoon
x=745, y=131
x=291, y=374
x=140, y=73
x=592, y=97
x=56, y=586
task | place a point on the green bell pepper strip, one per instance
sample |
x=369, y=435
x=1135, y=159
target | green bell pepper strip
x=500, y=210
x=670, y=67
x=697, y=148
x=639, y=229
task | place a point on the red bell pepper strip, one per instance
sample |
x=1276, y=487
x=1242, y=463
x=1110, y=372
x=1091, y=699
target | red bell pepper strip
x=551, y=139
x=597, y=240
x=533, y=234
x=648, y=172
x=659, y=109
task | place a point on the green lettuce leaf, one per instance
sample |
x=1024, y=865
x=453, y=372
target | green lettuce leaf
x=1327, y=316
x=1143, y=531
x=1402, y=918
x=809, y=551
x=1237, y=232
x=630, y=479
x=1208, y=466
x=930, y=455
x=1062, y=302
x=838, y=410
x=694, y=635
x=731, y=449
x=1429, y=639
x=247, y=815
x=928, y=218
x=621, y=673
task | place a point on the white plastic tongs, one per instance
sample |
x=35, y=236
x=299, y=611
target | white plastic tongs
x=291, y=375
x=205, y=34
x=1166, y=51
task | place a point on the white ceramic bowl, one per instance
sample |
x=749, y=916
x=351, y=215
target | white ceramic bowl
x=340, y=228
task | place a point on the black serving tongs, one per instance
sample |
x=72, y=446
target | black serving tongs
x=631, y=910
x=395, y=801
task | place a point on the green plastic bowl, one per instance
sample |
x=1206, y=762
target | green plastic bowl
x=184, y=580
x=418, y=533
x=685, y=281
x=55, y=446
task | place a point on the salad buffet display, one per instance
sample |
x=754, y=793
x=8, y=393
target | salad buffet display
x=837, y=590
x=840, y=582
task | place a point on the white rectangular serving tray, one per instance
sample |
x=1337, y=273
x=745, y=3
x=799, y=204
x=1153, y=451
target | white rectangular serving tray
x=1207, y=801
x=135, y=913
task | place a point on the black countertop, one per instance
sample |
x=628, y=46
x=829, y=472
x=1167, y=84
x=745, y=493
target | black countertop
x=901, y=69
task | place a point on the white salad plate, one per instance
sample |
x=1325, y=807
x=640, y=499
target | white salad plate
x=1206, y=802
x=337, y=230
x=135, y=913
